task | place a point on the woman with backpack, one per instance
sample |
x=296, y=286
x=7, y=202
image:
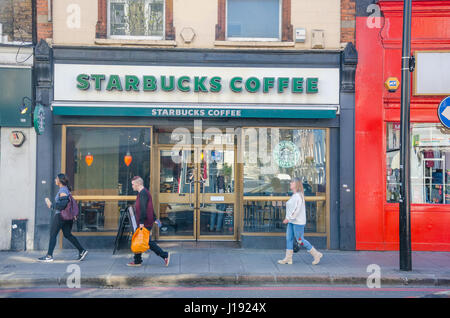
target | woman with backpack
x=295, y=221
x=58, y=223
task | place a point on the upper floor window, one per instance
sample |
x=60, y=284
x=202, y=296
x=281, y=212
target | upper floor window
x=136, y=19
x=253, y=20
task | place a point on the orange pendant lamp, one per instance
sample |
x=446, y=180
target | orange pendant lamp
x=89, y=159
x=128, y=158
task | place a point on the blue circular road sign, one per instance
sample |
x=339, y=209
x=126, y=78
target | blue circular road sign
x=444, y=112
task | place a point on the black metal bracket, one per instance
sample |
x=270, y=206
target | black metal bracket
x=412, y=63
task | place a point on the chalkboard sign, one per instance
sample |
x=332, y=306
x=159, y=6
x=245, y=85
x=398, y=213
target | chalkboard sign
x=132, y=218
x=127, y=226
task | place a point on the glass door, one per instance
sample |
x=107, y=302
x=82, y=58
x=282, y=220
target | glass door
x=217, y=195
x=176, y=193
x=197, y=193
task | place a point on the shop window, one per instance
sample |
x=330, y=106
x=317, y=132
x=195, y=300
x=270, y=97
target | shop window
x=430, y=163
x=137, y=18
x=272, y=157
x=100, y=163
x=253, y=19
x=99, y=216
x=393, y=162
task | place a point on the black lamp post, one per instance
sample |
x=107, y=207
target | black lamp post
x=405, y=144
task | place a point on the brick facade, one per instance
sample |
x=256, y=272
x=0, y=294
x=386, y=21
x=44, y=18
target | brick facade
x=44, y=27
x=220, y=26
x=15, y=17
x=287, y=30
x=348, y=21
x=170, y=29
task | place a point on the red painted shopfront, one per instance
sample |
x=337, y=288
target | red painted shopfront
x=377, y=114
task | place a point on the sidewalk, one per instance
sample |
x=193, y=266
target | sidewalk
x=194, y=265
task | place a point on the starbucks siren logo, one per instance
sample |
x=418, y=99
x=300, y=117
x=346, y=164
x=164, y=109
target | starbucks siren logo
x=286, y=154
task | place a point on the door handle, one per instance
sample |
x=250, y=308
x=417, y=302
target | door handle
x=191, y=203
x=202, y=183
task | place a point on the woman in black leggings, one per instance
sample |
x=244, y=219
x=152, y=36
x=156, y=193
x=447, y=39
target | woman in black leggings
x=57, y=223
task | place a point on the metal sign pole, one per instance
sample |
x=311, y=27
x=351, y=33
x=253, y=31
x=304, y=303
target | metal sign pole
x=405, y=146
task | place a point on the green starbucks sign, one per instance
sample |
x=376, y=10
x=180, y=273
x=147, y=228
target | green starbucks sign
x=204, y=84
x=39, y=119
x=286, y=154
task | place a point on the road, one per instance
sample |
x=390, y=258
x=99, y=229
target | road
x=269, y=291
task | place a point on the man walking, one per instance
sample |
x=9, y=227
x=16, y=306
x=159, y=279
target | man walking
x=145, y=217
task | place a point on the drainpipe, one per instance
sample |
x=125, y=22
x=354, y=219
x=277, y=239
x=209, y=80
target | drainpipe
x=34, y=43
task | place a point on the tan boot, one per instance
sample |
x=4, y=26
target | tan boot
x=316, y=254
x=288, y=258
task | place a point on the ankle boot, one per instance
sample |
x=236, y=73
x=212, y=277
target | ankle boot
x=288, y=258
x=316, y=254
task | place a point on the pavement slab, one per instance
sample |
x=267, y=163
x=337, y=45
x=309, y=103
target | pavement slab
x=195, y=263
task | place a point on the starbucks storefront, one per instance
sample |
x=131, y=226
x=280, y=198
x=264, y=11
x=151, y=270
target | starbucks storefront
x=216, y=142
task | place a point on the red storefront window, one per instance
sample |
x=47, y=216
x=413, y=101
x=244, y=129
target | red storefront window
x=430, y=163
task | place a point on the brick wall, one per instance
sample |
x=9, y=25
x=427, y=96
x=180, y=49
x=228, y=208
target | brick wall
x=44, y=27
x=6, y=18
x=348, y=12
x=15, y=17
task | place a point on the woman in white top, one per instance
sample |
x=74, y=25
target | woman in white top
x=296, y=220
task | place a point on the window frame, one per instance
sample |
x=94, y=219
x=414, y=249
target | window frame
x=133, y=37
x=257, y=39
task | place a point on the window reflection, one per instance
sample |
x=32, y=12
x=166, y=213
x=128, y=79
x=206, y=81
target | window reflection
x=217, y=219
x=280, y=155
x=288, y=153
x=217, y=171
x=430, y=163
x=268, y=216
x=264, y=21
x=99, y=216
x=102, y=161
x=177, y=220
x=176, y=171
x=136, y=18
